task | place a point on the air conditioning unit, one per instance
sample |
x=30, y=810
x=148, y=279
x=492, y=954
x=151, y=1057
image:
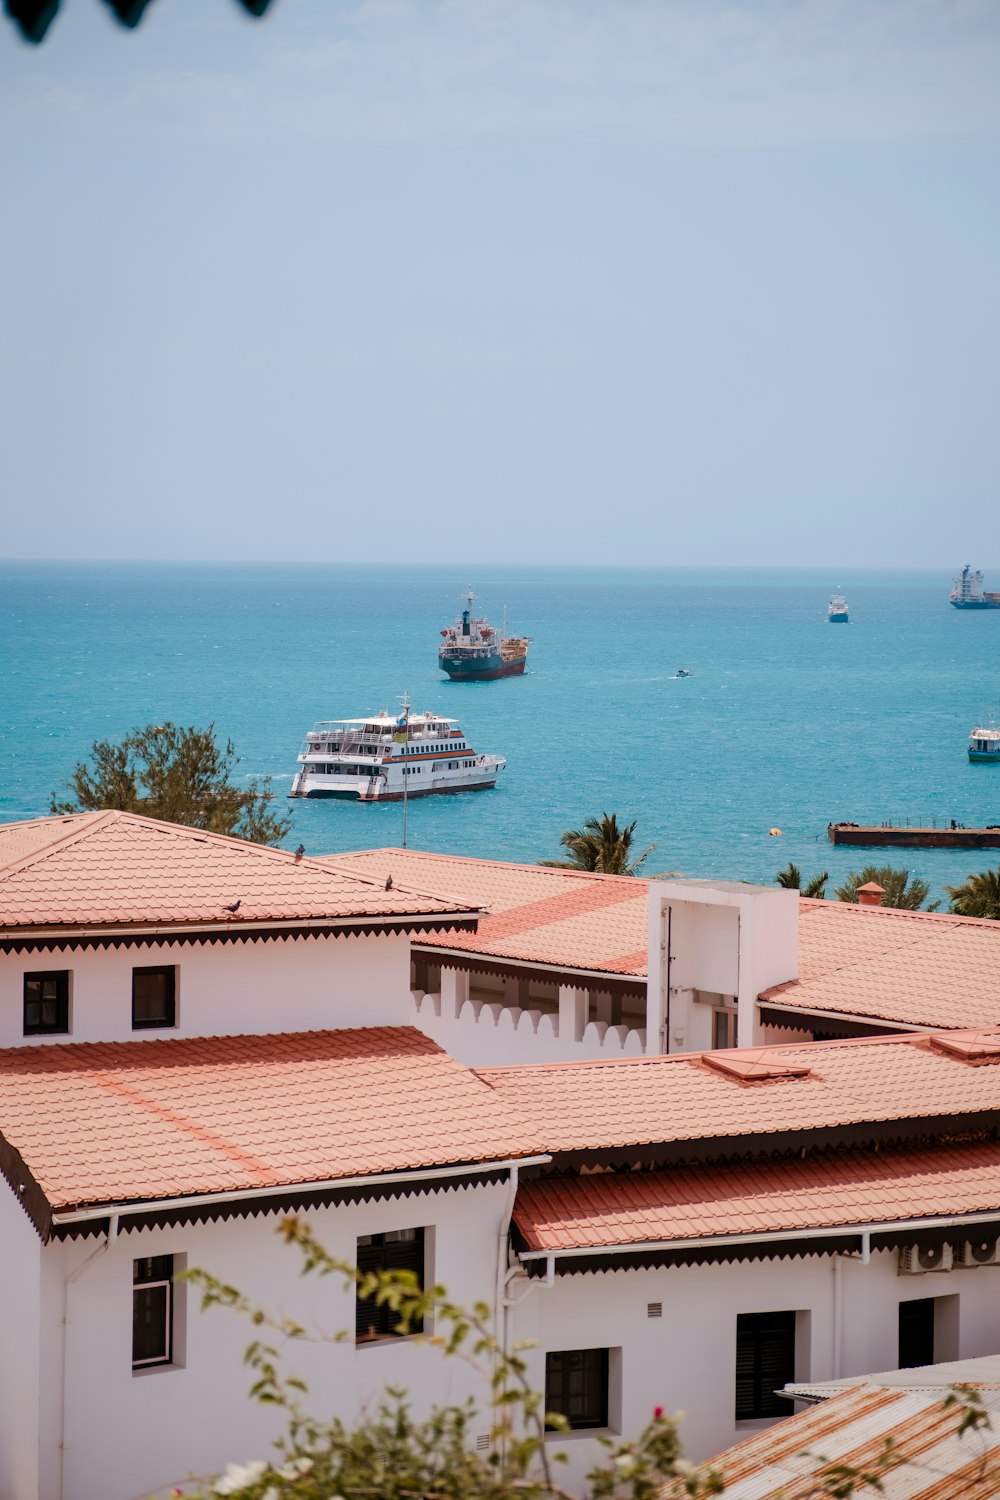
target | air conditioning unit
x=984, y=1251
x=915, y=1260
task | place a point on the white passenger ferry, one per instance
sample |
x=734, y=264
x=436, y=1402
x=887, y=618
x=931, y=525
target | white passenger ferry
x=382, y=757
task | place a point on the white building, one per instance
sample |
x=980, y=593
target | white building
x=570, y=965
x=200, y=1035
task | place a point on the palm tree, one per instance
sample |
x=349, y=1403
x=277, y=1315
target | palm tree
x=600, y=845
x=903, y=891
x=978, y=897
x=791, y=880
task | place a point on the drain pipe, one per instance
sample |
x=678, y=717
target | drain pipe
x=838, y=1303
x=101, y=1250
x=499, y=1315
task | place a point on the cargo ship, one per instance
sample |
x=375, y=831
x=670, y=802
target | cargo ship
x=836, y=611
x=384, y=757
x=968, y=592
x=472, y=651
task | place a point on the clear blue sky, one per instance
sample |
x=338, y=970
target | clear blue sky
x=656, y=281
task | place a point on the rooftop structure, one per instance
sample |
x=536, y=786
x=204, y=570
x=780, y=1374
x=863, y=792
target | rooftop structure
x=880, y=1083
x=550, y=919
x=119, y=871
x=124, y=1125
x=855, y=969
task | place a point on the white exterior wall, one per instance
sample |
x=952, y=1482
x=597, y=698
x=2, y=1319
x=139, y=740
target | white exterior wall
x=284, y=984
x=685, y=1361
x=20, y=1321
x=129, y=1434
x=484, y=1034
x=715, y=937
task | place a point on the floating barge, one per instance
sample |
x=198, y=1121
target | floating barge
x=893, y=836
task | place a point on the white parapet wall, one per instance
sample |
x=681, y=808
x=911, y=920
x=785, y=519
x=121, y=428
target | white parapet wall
x=714, y=946
x=483, y=1034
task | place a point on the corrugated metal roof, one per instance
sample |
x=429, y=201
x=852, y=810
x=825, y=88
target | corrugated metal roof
x=929, y=1459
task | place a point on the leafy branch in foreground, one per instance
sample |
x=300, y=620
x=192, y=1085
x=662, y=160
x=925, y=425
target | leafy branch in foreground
x=389, y=1454
x=179, y=775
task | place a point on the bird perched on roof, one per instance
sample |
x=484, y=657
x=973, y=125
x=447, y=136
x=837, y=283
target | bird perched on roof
x=234, y=908
x=388, y=882
x=299, y=852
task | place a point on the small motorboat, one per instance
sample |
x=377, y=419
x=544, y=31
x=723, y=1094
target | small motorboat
x=682, y=672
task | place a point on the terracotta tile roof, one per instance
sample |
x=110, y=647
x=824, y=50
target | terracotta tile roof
x=560, y=918
x=817, y=1193
x=792, y=1459
x=132, y=1121
x=920, y=969
x=648, y=1100
x=115, y=868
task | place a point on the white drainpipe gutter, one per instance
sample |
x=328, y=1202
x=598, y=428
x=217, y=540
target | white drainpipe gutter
x=66, y=1434
x=841, y=1231
x=287, y=1189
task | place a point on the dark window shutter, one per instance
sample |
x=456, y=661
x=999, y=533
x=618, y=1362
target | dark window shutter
x=372, y=1320
x=765, y=1361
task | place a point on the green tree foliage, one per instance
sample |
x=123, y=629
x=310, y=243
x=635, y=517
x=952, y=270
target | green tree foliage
x=902, y=890
x=180, y=775
x=791, y=879
x=978, y=897
x=601, y=846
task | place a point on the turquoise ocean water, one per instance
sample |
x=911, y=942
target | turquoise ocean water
x=786, y=722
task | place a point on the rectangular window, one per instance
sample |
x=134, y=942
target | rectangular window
x=576, y=1386
x=723, y=1029
x=396, y=1250
x=765, y=1361
x=916, y=1333
x=46, y=1003
x=152, y=1311
x=154, y=992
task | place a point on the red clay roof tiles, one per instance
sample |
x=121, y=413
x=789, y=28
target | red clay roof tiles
x=114, y=868
x=921, y=969
x=561, y=918
x=133, y=1121
x=648, y=1100
x=817, y=1193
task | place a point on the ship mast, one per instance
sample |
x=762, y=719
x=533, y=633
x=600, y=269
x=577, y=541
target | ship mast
x=404, y=721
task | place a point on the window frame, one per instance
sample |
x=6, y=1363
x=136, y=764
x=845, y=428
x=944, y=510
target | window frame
x=156, y=1025
x=142, y=1284
x=61, y=1028
x=391, y=1250
x=764, y=1404
x=597, y=1418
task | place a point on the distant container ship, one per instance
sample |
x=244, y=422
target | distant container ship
x=472, y=651
x=836, y=611
x=969, y=593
